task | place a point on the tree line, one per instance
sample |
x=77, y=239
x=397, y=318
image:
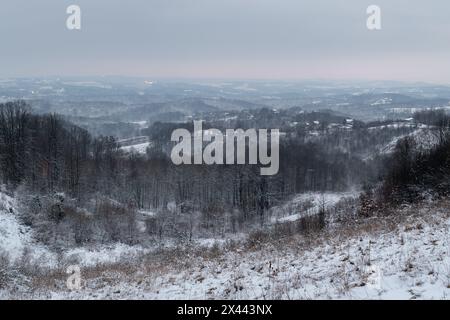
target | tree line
x=67, y=173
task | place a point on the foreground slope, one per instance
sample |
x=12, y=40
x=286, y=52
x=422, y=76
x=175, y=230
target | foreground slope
x=402, y=256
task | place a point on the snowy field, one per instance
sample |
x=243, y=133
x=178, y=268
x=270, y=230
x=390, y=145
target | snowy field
x=308, y=204
x=401, y=257
x=140, y=148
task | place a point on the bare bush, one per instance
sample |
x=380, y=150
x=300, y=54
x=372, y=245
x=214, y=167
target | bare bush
x=4, y=264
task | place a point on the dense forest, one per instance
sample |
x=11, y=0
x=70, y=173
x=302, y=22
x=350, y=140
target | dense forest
x=78, y=183
x=413, y=173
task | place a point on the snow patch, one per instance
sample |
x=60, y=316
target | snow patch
x=17, y=239
x=308, y=204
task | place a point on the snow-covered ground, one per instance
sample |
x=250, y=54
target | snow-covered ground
x=15, y=238
x=308, y=204
x=140, y=148
x=135, y=144
x=424, y=138
x=17, y=241
x=405, y=256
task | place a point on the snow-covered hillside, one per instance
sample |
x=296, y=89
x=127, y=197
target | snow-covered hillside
x=18, y=246
x=140, y=148
x=424, y=138
x=17, y=239
x=309, y=203
x=405, y=256
x=135, y=145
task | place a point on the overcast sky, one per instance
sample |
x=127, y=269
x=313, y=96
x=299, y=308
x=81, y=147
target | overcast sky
x=271, y=39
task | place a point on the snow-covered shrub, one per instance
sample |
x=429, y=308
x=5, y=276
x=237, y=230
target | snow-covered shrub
x=4, y=264
x=60, y=221
x=284, y=229
x=115, y=222
x=257, y=238
x=312, y=223
x=25, y=263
